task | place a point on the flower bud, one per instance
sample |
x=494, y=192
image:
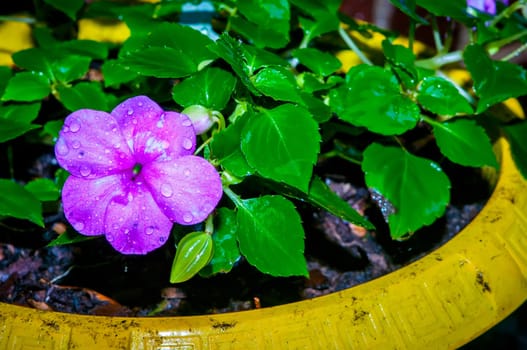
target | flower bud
x=201, y=118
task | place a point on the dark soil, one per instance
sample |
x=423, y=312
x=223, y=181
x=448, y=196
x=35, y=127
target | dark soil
x=91, y=278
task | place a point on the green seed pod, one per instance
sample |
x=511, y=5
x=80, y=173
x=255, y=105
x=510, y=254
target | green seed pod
x=194, y=251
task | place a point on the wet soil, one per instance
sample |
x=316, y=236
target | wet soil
x=91, y=278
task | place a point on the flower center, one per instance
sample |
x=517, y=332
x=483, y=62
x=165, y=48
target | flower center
x=136, y=170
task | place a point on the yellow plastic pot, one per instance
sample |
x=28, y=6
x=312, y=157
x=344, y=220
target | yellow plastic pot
x=441, y=301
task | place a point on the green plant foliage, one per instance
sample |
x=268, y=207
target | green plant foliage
x=402, y=61
x=70, y=237
x=371, y=97
x=15, y=119
x=27, y=87
x=416, y=187
x=464, y=142
x=440, y=96
x=170, y=50
x=18, y=202
x=272, y=146
x=69, y=7
x=494, y=81
x=278, y=83
x=319, y=62
x=516, y=134
x=43, y=189
x=194, y=251
x=319, y=17
x=270, y=235
x=83, y=95
x=10, y=129
x=210, y=88
x=226, y=251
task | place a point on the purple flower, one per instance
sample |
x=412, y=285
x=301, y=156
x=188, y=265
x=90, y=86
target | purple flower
x=488, y=6
x=133, y=174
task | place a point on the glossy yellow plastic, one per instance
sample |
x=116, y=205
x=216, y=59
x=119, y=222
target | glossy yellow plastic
x=14, y=36
x=439, y=302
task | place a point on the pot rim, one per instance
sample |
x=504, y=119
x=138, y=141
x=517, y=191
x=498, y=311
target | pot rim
x=442, y=300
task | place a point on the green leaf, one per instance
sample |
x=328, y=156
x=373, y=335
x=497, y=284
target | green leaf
x=211, y=88
x=83, y=95
x=494, y=81
x=115, y=73
x=441, y=97
x=53, y=127
x=408, y=8
x=85, y=48
x=70, y=67
x=69, y=7
x=417, y=188
x=282, y=144
x=194, y=251
x=226, y=148
x=323, y=17
x=517, y=134
x=234, y=53
x=265, y=22
x=271, y=237
x=10, y=129
x=226, y=251
x=402, y=61
x=170, y=50
x=319, y=62
x=43, y=189
x=26, y=87
x=448, y=8
x=5, y=75
x=464, y=142
x=70, y=237
x=24, y=113
x=18, y=202
x=278, y=83
x=371, y=98
x=36, y=60
x=322, y=196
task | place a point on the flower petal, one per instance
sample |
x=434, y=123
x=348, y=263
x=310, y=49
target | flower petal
x=85, y=201
x=90, y=145
x=134, y=222
x=187, y=189
x=153, y=133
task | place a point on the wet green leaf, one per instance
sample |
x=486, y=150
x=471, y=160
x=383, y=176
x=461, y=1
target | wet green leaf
x=70, y=237
x=193, y=252
x=10, y=129
x=27, y=87
x=226, y=251
x=494, y=81
x=441, y=97
x=282, y=144
x=211, y=88
x=271, y=237
x=69, y=7
x=464, y=142
x=23, y=113
x=83, y=95
x=372, y=98
x=517, y=134
x=116, y=73
x=416, y=187
x=319, y=62
x=18, y=202
x=278, y=83
x=408, y=7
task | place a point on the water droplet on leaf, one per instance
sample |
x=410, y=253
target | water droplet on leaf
x=166, y=190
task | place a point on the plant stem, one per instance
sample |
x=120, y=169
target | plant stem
x=440, y=60
x=507, y=12
x=27, y=20
x=515, y=53
x=233, y=197
x=351, y=44
x=437, y=37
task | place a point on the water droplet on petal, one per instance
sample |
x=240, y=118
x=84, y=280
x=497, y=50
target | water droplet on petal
x=79, y=226
x=85, y=170
x=62, y=148
x=75, y=126
x=107, y=151
x=186, y=172
x=134, y=121
x=186, y=122
x=109, y=238
x=187, y=217
x=166, y=190
x=130, y=197
x=117, y=145
x=126, y=231
x=140, y=104
x=162, y=239
x=149, y=230
x=75, y=144
x=187, y=143
x=130, y=111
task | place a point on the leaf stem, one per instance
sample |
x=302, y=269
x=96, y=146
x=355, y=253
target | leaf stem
x=515, y=53
x=507, y=12
x=437, y=36
x=351, y=44
x=233, y=197
x=440, y=60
